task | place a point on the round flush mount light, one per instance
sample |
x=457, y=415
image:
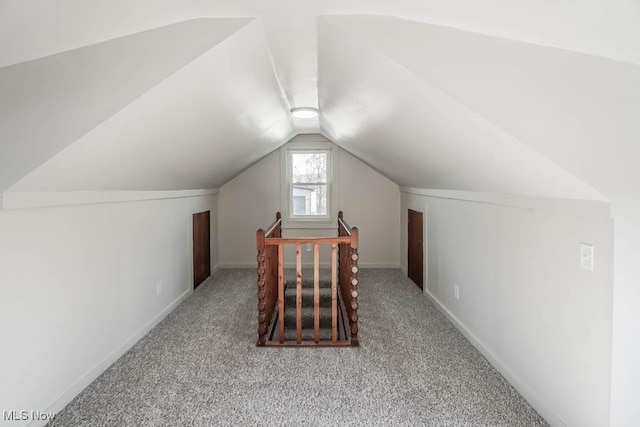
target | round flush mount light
x=304, y=112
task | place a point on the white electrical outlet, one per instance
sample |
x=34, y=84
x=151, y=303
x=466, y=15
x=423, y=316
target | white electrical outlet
x=307, y=247
x=586, y=256
x=159, y=288
x=456, y=292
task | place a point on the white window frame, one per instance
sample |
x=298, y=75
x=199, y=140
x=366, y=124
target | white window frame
x=315, y=221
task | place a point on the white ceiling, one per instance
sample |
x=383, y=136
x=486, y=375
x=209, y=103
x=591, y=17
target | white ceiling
x=573, y=108
x=193, y=130
x=522, y=97
x=48, y=104
x=413, y=132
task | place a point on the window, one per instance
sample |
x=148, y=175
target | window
x=309, y=178
x=309, y=183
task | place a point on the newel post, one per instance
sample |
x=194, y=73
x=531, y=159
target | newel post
x=262, y=312
x=354, y=286
x=278, y=230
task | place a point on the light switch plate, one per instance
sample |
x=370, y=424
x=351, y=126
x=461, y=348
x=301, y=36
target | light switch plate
x=586, y=256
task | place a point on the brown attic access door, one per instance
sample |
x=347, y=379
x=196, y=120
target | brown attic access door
x=201, y=247
x=415, y=228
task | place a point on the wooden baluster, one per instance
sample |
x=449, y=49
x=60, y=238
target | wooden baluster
x=345, y=286
x=299, y=293
x=334, y=293
x=316, y=293
x=354, y=287
x=281, y=292
x=272, y=284
x=262, y=315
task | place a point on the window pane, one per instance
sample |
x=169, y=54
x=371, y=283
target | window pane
x=309, y=167
x=299, y=203
x=309, y=199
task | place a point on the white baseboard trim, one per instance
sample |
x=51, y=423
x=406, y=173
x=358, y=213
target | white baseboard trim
x=531, y=396
x=378, y=265
x=226, y=266
x=305, y=265
x=215, y=268
x=255, y=265
x=86, y=379
x=404, y=270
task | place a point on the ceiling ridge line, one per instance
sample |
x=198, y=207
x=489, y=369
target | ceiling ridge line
x=283, y=93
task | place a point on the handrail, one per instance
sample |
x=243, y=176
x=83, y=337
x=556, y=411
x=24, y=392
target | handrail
x=274, y=225
x=274, y=241
x=343, y=224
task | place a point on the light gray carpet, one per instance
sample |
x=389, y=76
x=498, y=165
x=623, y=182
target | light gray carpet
x=200, y=367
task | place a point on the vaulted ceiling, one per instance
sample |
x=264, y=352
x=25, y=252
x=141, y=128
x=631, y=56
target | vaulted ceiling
x=535, y=97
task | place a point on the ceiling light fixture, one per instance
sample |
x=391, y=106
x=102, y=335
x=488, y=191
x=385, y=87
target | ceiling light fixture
x=304, y=112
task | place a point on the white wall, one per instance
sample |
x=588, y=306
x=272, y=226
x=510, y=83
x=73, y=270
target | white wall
x=625, y=411
x=78, y=289
x=369, y=201
x=524, y=302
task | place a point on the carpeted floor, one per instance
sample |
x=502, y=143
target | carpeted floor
x=200, y=367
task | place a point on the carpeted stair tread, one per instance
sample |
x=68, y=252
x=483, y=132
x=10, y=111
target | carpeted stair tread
x=308, y=283
x=307, y=297
x=307, y=309
x=308, y=335
x=307, y=317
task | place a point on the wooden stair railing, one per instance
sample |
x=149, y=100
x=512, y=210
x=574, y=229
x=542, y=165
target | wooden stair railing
x=273, y=314
x=267, y=277
x=349, y=274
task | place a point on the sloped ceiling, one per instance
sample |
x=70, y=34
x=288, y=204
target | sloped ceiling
x=578, y=110
x=415, y=133
x=537, y=98
x=49, y=103
x=196, y=129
